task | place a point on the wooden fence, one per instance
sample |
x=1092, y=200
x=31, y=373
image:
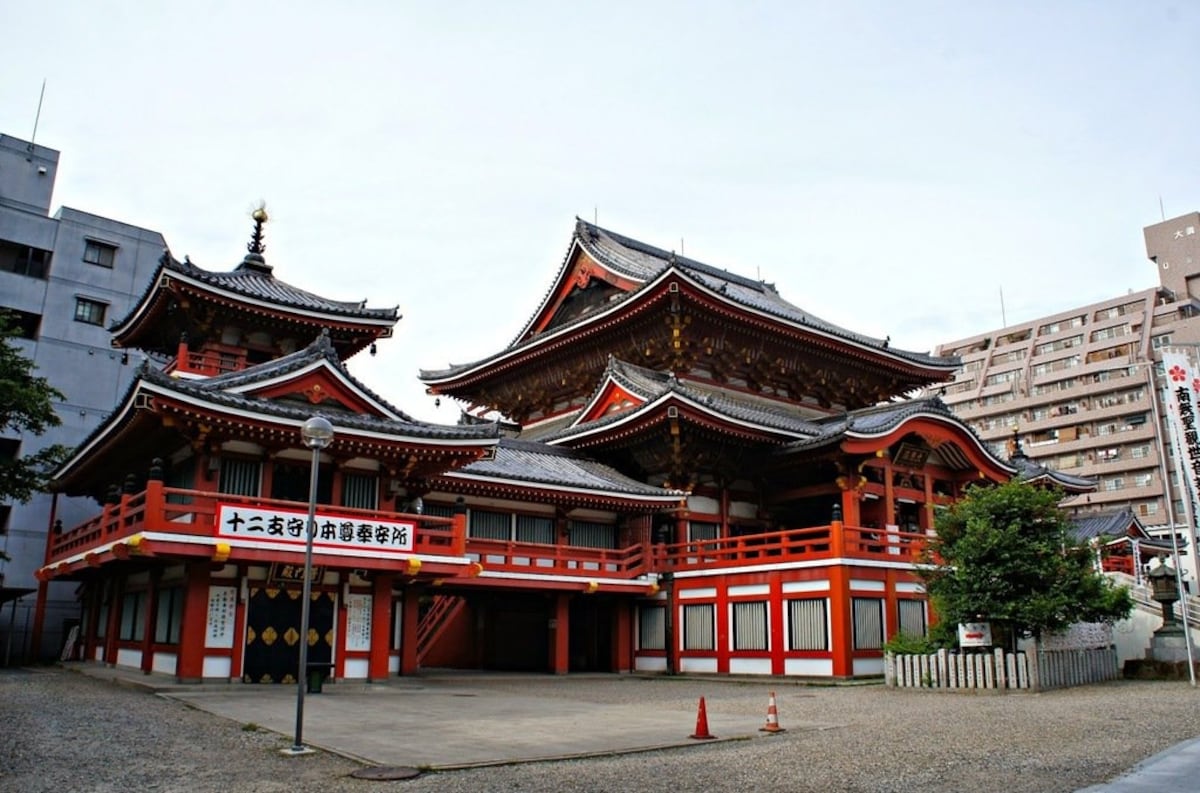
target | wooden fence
x=1038, y=670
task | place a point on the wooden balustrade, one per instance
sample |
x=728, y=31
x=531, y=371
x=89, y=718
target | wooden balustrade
x=169, y=510
x=173, y=510
x=815, y=542
x=558, y=559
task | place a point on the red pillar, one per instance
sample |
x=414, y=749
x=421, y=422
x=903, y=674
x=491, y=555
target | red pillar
x=841, y=634
x=560, y=632
x=190, y=666
x=43, y=588
x=95, y=595
x=381, y=628
x=149, y=621
x=721, y=621
x=623, y=637
x=239, y=625
x=116, y=600
x=777, y=603
x=410, y=614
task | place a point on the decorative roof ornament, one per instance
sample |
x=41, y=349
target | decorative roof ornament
x=257, y=246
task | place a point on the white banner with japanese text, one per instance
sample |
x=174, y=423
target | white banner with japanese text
x=333, y=532
x=1182, y=383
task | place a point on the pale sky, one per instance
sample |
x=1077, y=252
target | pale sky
x=891, y=167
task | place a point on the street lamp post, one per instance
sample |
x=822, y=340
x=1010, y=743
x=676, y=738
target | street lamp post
x=317, y=433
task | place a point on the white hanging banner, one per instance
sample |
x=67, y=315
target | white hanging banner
x=1182, y=384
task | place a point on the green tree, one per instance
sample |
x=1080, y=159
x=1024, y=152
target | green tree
x=1005, y=554
x=26, y=407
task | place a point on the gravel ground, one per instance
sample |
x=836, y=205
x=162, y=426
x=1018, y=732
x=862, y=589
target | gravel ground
x=62, y=731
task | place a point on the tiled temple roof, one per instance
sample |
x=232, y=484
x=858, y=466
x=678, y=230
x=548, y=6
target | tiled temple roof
x=254, y=279
x=643, y=263
x=537, y=463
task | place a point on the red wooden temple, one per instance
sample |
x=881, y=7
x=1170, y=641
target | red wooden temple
x=671, y=468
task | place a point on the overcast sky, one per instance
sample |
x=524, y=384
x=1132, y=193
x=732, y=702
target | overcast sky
x=891, y=167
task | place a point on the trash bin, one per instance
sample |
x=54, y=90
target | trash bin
x=316, y=677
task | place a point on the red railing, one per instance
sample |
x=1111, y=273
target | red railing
x=205, y=363
x=168, y=510
x=816, y=542
x=558, y=559
x=173, y=510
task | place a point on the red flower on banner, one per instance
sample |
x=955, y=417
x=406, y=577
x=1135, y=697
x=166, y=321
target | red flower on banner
x=1196, y=384
x=1177, y=373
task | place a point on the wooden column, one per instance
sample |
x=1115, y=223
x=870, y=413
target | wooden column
x=623, y=636
x=149, y=621
x=95, y=597
x=841, y=633
x=239, y=623
x=777, y=605
x=409, y=620
x=560, y=632
x=116, y=598
x=190, y=666
x=381, y=627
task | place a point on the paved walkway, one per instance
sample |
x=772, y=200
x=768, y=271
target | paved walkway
x=443, y=721
x=446, y=721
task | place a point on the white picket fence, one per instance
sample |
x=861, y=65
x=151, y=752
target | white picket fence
x=1039, y=670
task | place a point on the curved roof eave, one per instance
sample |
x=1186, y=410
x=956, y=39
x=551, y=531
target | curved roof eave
x=655, y=405
x=647, y=292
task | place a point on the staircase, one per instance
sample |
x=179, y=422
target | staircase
x=435, y=621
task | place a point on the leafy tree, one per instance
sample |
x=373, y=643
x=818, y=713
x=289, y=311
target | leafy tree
x=1005, y=554
x=26, y=407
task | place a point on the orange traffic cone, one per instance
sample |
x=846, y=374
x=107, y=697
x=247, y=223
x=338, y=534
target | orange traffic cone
x=772, y=725
x=702, y=732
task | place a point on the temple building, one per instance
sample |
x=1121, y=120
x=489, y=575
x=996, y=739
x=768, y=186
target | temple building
x=671, y=468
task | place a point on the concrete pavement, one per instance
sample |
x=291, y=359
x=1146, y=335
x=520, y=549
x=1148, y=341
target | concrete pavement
x=445, y=721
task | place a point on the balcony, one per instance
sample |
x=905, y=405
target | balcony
x=181, y=523
x=205, y=364
x=835, y=541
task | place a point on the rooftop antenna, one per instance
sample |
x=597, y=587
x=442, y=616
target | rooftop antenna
x=1003, y=316
x=681, y=246
x=595, y=216
x=1162, y=212
x=37, y=116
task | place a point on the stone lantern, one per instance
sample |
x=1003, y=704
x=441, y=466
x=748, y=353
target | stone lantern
x=1164, y=588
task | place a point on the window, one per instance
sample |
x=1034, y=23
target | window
x=24, y=324
x=535, y=528
x=90, y=311
x=133, y=617
x=99, y=253
x=652, y=628
x=24, y=260
x=698, y=628
x=911, y=615
x=240, y=477
x=586, y=534
x=169, y=617
x=750, y=625
x=360, y=491
x=868, y=624
x=807, y=625
x=485, y=525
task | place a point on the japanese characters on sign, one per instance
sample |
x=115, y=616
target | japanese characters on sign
x=283, y=573
x=358, y=622
x=1182, y=385
x=333, y=532
x=221, y=603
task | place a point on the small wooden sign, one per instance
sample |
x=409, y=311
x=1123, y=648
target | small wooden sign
x=289, y=573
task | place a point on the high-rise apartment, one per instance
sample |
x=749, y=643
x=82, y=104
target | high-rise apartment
x=1083, y=387
x=63, y=278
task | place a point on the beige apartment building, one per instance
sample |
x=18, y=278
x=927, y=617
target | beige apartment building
x=1084, y=387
